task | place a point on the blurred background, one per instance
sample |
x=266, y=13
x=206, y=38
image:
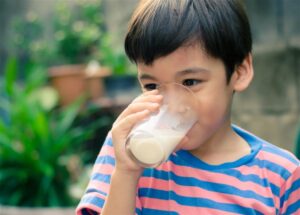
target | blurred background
x=64, y=78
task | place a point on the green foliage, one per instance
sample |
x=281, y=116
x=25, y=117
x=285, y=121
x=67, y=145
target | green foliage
x=116, y=59
x=26, y=34
x=40, y=145
x=78, y=31
x=74, y=34
x=72, y=38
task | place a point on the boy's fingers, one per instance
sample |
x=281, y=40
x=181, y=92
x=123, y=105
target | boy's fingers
x=149, y=98
x=128, y=122
x=152, y=107
x=150, y=102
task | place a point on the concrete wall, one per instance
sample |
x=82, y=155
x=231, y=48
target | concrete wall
x=271, y=106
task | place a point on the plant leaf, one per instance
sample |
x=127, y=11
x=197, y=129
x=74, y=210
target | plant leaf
x=10, y=75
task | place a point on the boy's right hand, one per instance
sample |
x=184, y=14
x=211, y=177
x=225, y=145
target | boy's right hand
x=141, y=108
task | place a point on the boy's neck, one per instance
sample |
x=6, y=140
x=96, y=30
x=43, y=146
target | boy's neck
x=225, y=146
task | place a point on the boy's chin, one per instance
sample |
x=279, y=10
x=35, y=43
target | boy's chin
x=190, y=146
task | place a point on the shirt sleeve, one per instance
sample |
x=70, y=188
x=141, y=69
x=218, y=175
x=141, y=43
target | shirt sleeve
x=94, y=197
x=290, y=194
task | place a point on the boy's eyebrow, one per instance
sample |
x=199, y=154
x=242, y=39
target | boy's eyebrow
x=179, y=73
x=146, y=76
x=191, y=71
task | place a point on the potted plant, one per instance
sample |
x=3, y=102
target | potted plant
x=122, y=84
x=77, y=34
x=40, y=145
x=76, y=31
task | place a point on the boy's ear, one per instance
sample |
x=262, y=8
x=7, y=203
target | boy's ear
x=243, y=75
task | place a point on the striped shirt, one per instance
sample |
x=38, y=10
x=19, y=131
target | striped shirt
x=266, y=181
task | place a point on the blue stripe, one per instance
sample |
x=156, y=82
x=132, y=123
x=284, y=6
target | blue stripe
x=108, y=142
x=271, y=166
x=237, y=174
x=277, y=151
x=106, y=159
x=138, y=211
x=264, y=182
x=275, y=189
x=148, y=211
x=211, y=186
x=196, y=202
x=293, y=208
x=295, y=186
x=94, y=200
x=101, y=177
x=245, y=178
x=96, y=191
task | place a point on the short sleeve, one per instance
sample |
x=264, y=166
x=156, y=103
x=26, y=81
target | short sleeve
x=94, y=197
x=290, y=194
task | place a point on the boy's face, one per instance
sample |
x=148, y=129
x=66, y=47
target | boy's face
x=206, y=77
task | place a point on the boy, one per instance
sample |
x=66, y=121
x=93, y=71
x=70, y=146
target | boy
x=220, y=168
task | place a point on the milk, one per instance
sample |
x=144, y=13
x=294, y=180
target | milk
x=152, y=140
x=154, y=149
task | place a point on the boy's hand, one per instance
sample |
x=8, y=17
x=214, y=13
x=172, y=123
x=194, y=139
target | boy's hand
x=138, y=110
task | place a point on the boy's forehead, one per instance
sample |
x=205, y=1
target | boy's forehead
x=184, y=58
x=190, y=60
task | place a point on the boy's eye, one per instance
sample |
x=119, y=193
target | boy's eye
x=149, y=87
x=190, y=82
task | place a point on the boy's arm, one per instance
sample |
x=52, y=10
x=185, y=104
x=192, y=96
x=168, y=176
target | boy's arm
x=102, y=177
x=121, y=199
x=112, y=188
x=124, y=179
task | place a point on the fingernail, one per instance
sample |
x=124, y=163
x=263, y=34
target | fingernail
x=155, y=105
x=146, y=111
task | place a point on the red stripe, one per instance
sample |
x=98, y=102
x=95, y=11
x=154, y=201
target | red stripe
x=107, y=150
x=198, y=192
x=281, y=161
x=262, y=173
x=214, y=177
x=103, y=169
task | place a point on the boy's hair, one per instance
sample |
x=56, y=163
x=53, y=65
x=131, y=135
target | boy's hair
x=159, y=27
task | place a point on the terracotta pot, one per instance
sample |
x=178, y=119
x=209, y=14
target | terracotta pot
x=69, y=81
x=95, y=85
x=72, y=81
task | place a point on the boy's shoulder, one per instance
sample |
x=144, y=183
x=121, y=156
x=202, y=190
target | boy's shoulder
x=278, y=151
x=268, y=152
x=279, y=156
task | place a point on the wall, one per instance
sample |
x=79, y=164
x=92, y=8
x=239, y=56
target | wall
x=271, y=106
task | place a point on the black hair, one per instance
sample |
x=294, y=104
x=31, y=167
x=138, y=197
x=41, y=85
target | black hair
x=159, y=27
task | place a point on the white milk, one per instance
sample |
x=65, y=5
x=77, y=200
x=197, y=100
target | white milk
x=156, y=149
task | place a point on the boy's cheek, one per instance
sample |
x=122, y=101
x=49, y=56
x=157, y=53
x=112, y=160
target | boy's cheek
x=202, y=131
x=195, y=138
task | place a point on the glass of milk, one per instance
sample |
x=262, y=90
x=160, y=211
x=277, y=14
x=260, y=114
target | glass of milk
x=151, y=142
